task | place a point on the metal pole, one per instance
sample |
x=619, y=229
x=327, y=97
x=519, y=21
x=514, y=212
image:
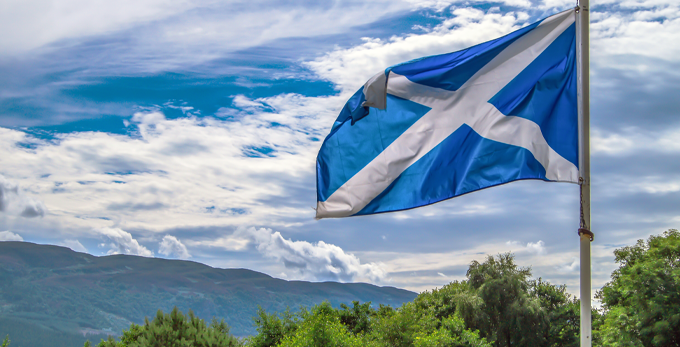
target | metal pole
x=586, y=236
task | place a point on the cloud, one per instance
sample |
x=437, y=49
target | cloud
x=440, y=5
x=14, y=201
x=537, y=248
x=33, y=209
x=121, y=242
x=74, y=245
x=350, y=68
x=574, y=266
x=172, y=33
x=628, y=32
x=312, y=261
x=172, y=247
x=10, y=236
x=6, y=188
x=138, y=176
x=631, y=140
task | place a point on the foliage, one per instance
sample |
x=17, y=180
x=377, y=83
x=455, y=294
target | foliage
x=416, y=324
x=501, y=300
x=508, y=315
x=5, y=342
x=562, y=311
x=361, y=325
x=175, y=329
x=642, y=302
x=321, y=327
x=498, y=305
x=357, y=317
x=272, y=328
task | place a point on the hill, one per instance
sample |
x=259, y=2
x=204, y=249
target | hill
x=51, y=293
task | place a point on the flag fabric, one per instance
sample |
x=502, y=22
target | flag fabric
x=446, y=125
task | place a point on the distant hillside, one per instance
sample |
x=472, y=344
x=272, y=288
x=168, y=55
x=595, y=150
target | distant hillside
x=51, y=293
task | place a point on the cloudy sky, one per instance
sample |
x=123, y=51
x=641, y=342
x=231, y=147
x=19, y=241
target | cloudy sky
x=189, y=129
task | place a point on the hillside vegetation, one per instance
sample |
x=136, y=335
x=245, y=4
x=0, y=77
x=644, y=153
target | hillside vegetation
x=51, y=293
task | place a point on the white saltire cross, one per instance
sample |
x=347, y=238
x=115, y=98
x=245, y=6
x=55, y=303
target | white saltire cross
x=449, y=111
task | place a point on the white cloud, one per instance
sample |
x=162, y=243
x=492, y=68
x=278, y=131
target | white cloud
x=14, y=201
x=350, y=68
x=10, y=236
x=6, y=189
x=574, y=266
x=557, y=4
x=654, y=33
x=172, y=247
x=181, y=167
x=311, y=261
x=440, y=5
x=121, y=242
x=36, y=22
x=150, y=118
x=227, y=243
x=169, y=34
x=74, y=245
x=537, y=248
x=656, y=186
x=631, y=140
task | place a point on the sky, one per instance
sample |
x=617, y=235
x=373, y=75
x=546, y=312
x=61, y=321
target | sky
x=189, y=129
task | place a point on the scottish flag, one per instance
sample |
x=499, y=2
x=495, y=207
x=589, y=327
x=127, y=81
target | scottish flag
x=442, y=126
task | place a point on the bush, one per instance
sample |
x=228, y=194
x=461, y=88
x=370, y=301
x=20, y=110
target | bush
x=175, y=330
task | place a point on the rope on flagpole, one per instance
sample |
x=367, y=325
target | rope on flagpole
x=583, y=227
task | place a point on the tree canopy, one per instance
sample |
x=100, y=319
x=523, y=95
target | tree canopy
x=175, y=329
x=642, y=302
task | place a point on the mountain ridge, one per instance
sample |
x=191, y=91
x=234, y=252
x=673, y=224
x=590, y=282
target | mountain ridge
x=70, y=292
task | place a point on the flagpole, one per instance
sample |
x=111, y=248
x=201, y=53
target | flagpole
x=586, y=236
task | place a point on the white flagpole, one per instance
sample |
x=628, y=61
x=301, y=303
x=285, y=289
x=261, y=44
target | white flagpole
x=586, y=236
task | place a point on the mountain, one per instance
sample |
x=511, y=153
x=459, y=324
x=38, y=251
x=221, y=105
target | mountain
x=51, y=293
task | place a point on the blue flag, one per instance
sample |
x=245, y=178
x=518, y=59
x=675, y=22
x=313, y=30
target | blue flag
x=442, y=126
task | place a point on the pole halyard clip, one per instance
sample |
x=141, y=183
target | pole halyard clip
x=582, y=231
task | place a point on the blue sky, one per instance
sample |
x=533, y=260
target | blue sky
x=189, y=129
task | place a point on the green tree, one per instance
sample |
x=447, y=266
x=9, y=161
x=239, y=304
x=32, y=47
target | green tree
x=5, y=342
x=506, y=314
x=400, y=327
x=272, y=328
x=642, y=302
x=455, y=297
x=175, y=329
x=563, y=313
x=357, y=317
x=452, y=332
x=321, y=327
